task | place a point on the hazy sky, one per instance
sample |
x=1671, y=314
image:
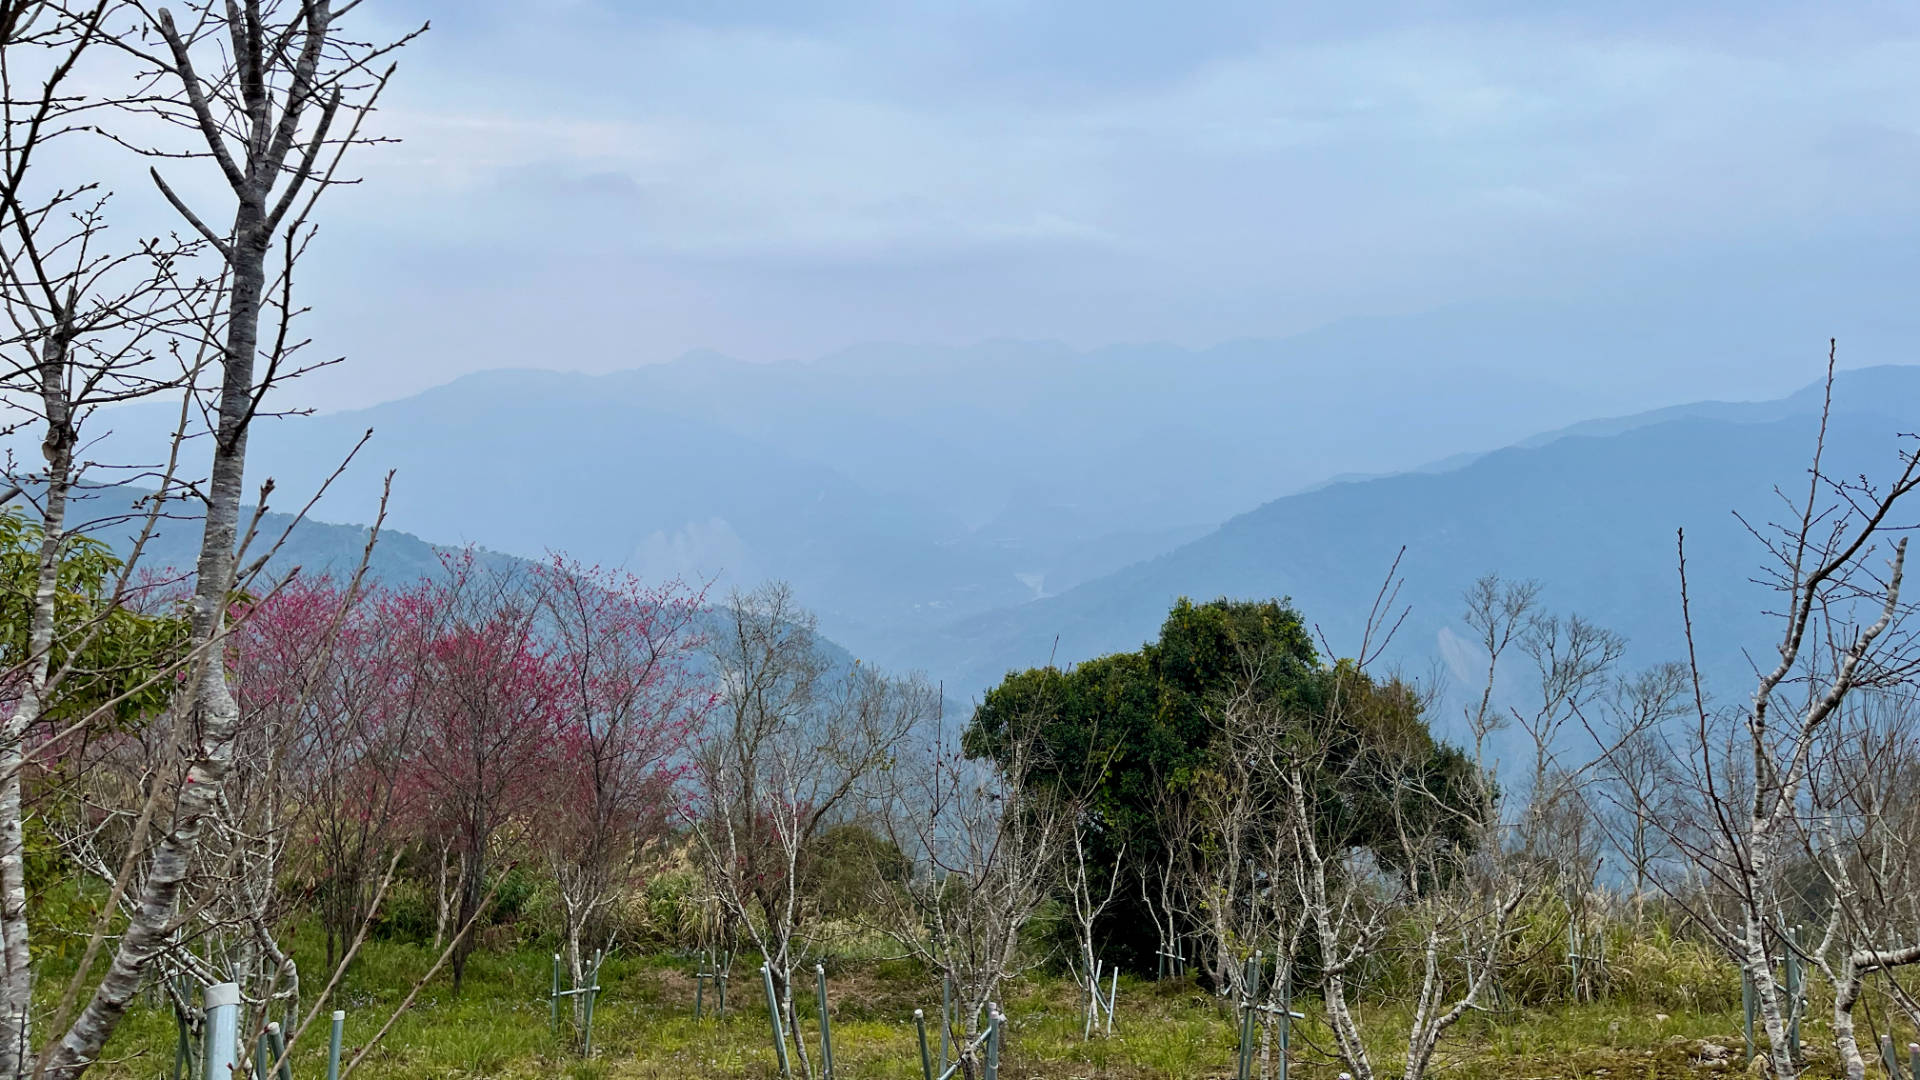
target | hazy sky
x=593, y=184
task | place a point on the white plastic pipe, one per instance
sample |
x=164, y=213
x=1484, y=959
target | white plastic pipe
x=223, y=1030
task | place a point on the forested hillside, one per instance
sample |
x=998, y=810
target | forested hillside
x=1591, y=514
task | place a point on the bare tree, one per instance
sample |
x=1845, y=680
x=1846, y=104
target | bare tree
x=988, y=846
x=1637, y=781
x=1445, y=869
x=1091, y=888
x=1162, y=890
x=1499, y=612
x=88, y=323
x=1231, y=860
x=272, y=95
x=1448, y=876
x=785, y=754
x=1573, y=662
x=1836, y=561
x=1244, y=807
x=1863, y=835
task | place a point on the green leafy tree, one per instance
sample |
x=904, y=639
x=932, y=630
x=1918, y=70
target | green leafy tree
x=1118, y=729
x=108, y=666
x=844, y=863
x=105, y=653
x=1131, y=735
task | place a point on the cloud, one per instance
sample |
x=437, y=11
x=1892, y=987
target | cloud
x=743, y=137
x=819, y=174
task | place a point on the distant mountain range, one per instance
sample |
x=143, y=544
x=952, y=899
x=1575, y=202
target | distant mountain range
x=959, y=510
x=902, y=489
x=117, y=514
x=1591, y=513
x=319, y=549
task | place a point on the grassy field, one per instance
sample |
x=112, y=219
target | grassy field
x=499, y=1027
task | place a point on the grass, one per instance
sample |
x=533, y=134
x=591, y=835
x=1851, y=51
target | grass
x=499, y=1027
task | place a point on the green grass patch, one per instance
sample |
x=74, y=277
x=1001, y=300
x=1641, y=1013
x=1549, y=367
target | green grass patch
x=498, y=1026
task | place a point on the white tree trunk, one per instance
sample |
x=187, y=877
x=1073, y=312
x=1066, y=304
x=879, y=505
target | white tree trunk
x=16, y=962
x=207, y=698
x=1846, y=1043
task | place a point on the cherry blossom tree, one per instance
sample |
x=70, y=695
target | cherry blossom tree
x=628, y=656
x=316, y=670
x=489, y=712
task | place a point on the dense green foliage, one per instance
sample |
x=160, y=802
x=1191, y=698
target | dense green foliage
x=110, y=653
x=1133, y=734
x=842, y=866
x=1124, y=727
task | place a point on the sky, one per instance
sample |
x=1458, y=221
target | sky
x=597, y=184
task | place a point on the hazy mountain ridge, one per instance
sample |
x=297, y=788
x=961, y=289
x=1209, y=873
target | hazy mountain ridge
x=116, y=515
x=1590, y=510
x=905, y=491
x=316, y=549
x=1591, y=513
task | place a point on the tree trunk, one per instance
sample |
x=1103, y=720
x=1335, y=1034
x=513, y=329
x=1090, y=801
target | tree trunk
x=16, y=961
x=576, y=962
x=473, y=882
x=793, y=1031
x=446, y=898
x=1346, y=1033
x=1846, y=1043
x=209, y=699
x=1754, y=959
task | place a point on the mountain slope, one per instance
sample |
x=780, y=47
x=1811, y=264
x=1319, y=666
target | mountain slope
x=1591, y=516
x=896, y=488
x=314, y=548
x=902, y=490
x=317, y=549
x=1589, y=511
x=526, y=463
